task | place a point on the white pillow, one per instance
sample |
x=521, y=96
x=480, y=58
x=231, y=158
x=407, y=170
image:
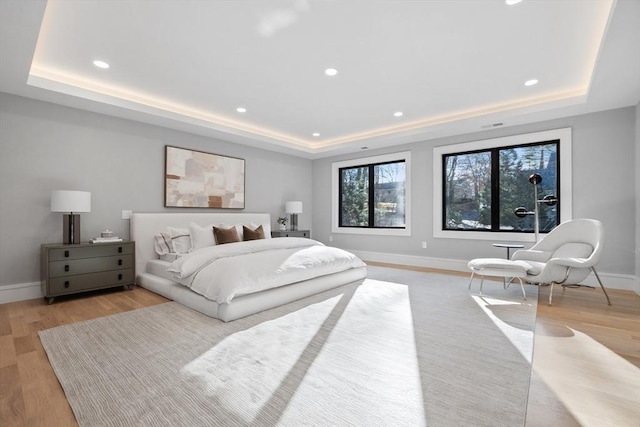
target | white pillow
x=162, y=243
x=180, y=238
x=201, y=237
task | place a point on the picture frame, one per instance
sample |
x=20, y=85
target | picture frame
x=197, y=179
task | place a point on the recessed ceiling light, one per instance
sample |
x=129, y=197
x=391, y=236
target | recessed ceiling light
x=315, y=134
x=101, y=64
x=531, y=82
x=512, y=2
x=331, y=71
x=398, y=114
x=241, y=110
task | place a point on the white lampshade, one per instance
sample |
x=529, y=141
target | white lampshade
x=70, y=201
x=293, y=207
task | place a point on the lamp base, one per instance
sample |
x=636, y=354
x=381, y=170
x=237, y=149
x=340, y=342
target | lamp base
x=71, y=229
x=294, y=222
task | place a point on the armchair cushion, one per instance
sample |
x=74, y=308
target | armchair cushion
x=573, y=250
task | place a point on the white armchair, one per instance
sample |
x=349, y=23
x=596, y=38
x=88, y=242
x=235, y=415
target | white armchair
x=566, y=255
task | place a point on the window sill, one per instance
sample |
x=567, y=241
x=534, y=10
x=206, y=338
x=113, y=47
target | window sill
x=372, y=231
x=485, y=235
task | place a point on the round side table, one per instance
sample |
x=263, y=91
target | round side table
x=509, y=246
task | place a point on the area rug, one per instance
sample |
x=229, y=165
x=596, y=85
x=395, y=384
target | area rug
x=401, y=349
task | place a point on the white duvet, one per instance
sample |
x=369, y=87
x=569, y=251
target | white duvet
x=222, y=272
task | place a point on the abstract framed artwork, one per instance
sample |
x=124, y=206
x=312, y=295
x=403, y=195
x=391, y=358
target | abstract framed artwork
x=195, y=179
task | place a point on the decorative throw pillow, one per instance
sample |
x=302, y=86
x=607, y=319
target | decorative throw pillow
x=266, y=229
x=249, y=234
x=238, y=228
x=201, y=237
x=225, y=235
x=162, y=243
x=180, y=238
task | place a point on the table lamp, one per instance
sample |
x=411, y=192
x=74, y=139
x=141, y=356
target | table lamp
x=70, y=202
x=293, y=208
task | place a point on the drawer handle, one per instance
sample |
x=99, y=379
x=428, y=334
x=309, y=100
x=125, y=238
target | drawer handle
x=66, y=254
x=66, y=267
x=119, y=249
x=66, y=284
x=120, y=276
x=119, y=262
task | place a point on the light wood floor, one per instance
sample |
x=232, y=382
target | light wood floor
x=586, y=365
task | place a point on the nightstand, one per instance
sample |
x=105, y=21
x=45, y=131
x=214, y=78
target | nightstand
x=69, y=269
x=292, y=233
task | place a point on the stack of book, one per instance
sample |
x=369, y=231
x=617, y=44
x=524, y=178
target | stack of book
x=105, y=239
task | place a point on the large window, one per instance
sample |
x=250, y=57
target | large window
x=478, y=185
x=371, y=196
x=482, y=189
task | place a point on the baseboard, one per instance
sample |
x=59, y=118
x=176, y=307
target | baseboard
x=20, y=292
x=26, y=291
x=609, y=280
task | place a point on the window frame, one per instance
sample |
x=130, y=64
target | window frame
x=563, y=136
x=367, y=161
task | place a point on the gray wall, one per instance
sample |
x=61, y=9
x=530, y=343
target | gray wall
x=604, y=188
x=637, y=181
x=45, y=147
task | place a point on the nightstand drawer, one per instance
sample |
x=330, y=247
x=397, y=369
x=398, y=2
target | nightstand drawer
x=99, y=250
x=71, y=284
x=73, y=267
x=291, y=233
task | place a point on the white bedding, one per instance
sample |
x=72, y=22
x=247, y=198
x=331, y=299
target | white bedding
x=222, y=272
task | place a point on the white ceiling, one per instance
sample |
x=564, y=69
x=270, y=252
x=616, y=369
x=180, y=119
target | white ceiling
x=451, y=67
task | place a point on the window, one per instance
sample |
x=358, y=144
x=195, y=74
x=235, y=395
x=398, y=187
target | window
x=482, y=189
x=482, y=183
x=371, y=195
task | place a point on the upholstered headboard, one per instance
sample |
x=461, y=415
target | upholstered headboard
x=145, y=225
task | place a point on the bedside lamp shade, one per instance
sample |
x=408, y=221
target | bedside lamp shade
x=71, y=202
x=293, y=208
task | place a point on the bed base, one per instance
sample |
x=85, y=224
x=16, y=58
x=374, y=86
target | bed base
x=246, y=305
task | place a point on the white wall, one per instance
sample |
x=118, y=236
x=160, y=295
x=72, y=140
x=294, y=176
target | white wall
x=637, y=183
x=45, y=147
x=604, y=163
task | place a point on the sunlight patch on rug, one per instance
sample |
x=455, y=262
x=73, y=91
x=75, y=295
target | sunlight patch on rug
x=521, y=339
x=359, y=346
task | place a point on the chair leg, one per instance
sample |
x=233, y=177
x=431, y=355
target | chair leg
x=550, y=293
x=471, y=279
x=603, y=289
x=522, y=287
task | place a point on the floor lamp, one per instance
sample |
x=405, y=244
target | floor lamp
x=70, y=202
x=521, y=212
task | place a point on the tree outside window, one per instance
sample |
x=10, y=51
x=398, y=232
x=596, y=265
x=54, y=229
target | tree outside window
x=483, y=188
x=373, y=195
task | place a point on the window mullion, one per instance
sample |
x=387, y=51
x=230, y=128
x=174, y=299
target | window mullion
x=371, y=195
x=495, y=189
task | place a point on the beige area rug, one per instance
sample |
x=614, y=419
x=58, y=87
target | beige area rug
x=402, y=349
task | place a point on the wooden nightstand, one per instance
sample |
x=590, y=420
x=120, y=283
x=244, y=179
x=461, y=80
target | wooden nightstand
x=290, y=233
x=69, y=269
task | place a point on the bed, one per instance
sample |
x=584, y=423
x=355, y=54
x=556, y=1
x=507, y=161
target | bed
x=152, y=272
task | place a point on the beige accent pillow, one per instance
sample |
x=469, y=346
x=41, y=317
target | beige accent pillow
x=225, y=235
x=249, y=234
